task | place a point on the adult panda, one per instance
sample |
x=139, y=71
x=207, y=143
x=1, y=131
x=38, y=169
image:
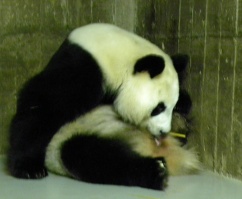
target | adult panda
x=96, y=64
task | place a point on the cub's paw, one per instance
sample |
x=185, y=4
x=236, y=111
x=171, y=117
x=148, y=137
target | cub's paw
x=27, y=169
x=154, y=174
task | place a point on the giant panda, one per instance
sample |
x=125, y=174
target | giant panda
x=97, y=64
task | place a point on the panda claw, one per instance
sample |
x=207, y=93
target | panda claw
x=28, y=176
x=161, y=164
x=163, y=172
x=41, y=174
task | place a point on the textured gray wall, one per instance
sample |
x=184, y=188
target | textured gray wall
x=208, y=30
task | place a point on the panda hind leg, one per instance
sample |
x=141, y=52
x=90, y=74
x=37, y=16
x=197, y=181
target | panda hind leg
x=99, y=160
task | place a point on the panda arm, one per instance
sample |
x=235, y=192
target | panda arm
x=110, y=161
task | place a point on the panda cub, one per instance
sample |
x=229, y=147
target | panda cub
x=97, y=65
x=100, y=147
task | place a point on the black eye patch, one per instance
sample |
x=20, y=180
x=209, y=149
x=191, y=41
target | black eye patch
x=158, y=109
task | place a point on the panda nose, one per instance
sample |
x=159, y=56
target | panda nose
x=163, y=134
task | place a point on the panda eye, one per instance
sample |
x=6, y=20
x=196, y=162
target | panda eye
x=158, y=109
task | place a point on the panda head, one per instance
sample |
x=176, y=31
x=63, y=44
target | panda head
x=147, y=98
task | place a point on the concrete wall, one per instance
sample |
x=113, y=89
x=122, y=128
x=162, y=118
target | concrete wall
x=208, y=30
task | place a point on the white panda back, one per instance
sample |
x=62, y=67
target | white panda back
x=115, y=49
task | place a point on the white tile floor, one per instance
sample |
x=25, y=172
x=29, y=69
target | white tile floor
x=204, y=186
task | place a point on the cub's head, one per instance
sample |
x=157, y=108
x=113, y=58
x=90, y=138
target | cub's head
x=148, y=96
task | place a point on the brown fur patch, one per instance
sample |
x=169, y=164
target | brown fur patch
x=179, y=160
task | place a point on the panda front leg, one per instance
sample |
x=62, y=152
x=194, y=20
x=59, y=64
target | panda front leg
x=99, y=160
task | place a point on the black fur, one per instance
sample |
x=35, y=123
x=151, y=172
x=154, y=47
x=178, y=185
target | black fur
x=184, y=103
x=152, y=64
x=110, y=161
x=158, y=109
x=49, y=100
x=180, y=62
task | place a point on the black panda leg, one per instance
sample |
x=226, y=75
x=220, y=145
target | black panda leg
x=27, y=149
x=110, y=161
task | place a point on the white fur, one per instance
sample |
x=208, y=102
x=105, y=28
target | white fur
x=117, y=51
x=102, y=120
x=161, y=122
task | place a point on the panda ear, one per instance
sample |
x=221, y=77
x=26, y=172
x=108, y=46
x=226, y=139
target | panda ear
x=184, y=103
x=152, y=64
x=180, y=62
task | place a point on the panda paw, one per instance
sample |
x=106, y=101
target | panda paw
x=155, y=175
x=28, y=170
x=31, y=174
